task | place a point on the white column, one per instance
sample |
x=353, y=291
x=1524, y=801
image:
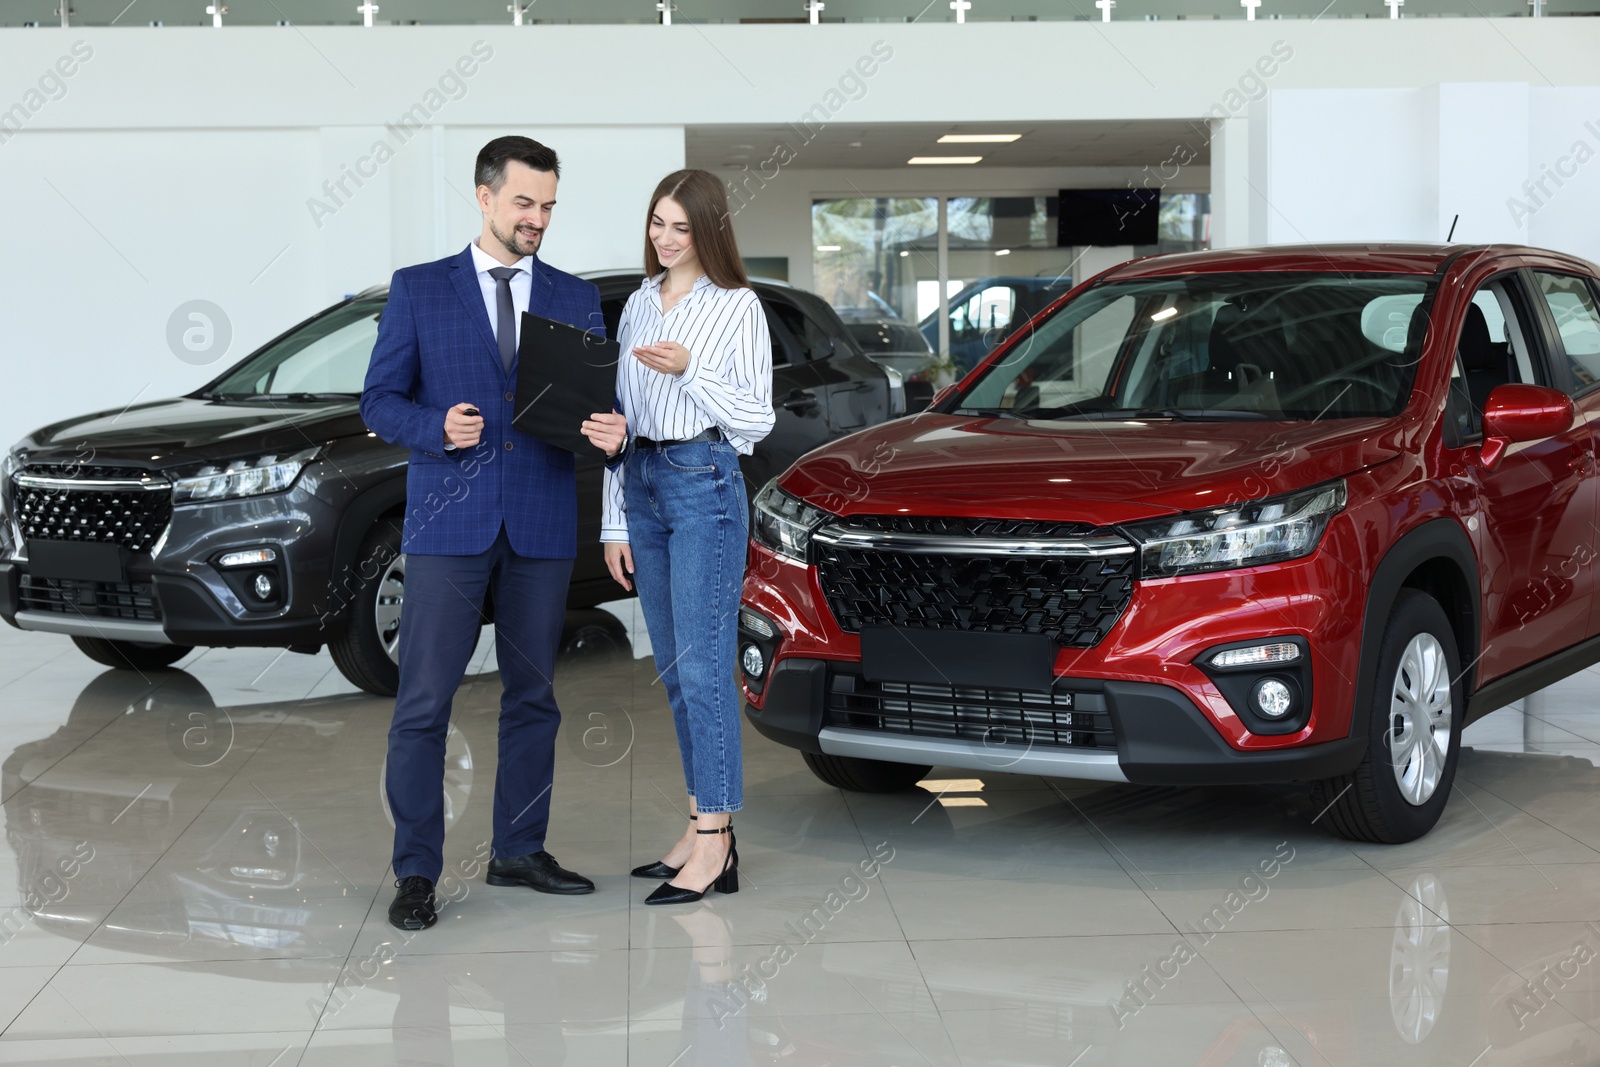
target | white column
x=1250, y=8
x=1230, y=183
x=1105, y=7
x=944, y=277
x=1394, y=7
x=814, y=9
x=960, y=7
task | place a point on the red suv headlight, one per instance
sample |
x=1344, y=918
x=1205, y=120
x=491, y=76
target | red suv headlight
x=1247, y=535
x=784, y=522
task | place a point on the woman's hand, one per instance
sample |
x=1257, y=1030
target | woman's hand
x=619, y=559
x=667, y=357
x=606, y=431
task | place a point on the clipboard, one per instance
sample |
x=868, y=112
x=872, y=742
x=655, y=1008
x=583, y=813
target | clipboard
x=564, y=375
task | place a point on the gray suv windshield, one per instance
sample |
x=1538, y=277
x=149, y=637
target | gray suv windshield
x=325, y=358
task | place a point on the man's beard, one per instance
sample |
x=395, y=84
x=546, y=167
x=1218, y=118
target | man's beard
x=509, y=240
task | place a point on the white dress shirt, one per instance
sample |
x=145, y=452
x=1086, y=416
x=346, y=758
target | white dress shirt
x=521, y=291
x=521, y=287
x=727, y=384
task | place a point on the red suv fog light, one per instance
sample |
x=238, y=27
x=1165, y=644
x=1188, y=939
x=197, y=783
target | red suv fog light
x=1273, y=697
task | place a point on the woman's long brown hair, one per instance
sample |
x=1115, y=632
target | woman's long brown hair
x=705, y=201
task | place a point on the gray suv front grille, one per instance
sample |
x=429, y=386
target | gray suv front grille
x=96, y=505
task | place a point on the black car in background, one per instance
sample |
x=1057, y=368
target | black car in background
x=260, y=511
x=900, y=346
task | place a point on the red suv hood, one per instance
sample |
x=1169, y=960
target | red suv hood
x=1099, y=472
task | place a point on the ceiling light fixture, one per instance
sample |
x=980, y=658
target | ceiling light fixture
x=925, y=161
x=980, y=138
x=828, y=248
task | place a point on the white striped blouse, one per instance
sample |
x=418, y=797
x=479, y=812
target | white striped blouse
x=727, y=384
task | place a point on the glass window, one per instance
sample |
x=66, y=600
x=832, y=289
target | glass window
x=988, y=310
x=1491, y=350
x=877, y=259
x=871, y=253
x=810, y=340
x=1572, y=304
x=1505, y=330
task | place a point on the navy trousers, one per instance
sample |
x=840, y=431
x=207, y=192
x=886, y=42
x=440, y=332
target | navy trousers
x=443, y=610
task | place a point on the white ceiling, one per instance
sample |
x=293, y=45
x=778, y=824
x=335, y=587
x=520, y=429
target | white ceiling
x=1044, y=144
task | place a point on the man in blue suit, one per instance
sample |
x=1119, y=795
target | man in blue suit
x=490, y=510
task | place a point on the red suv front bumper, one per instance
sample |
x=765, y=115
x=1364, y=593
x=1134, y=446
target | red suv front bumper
x=1141, y=705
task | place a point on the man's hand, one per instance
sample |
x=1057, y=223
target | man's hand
x=668, y=357
x=606, y=432
x=619, y=559
x=461, y=429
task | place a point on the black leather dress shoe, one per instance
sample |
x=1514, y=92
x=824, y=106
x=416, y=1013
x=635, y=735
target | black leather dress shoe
x=414, y=907
x=538, y=871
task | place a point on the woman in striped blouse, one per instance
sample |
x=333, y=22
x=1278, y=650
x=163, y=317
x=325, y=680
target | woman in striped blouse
x=695, y=390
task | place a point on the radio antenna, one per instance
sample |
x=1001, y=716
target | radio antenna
x=1452, y=232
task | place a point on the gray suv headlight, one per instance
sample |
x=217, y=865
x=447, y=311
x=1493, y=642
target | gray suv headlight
x=1262, y=531
x=784, y=523
x=268, y=474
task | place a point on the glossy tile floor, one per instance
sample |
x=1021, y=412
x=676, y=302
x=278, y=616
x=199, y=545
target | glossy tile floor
x=194, y=872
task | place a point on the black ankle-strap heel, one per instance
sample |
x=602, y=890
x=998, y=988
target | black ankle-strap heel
x=726, y=882
x=660, y=868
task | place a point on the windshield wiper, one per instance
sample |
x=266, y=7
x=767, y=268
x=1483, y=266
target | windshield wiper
x=1179, y=414
x=1201, y=414
x=993, y=413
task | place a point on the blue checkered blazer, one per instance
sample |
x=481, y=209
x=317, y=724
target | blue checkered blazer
x=436, y=349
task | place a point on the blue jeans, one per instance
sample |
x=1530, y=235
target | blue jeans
x=688, y=526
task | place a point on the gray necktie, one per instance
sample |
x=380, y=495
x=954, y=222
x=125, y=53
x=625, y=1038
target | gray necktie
x=505, y=330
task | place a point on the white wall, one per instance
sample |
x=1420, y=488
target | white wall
x=108, y=233
x=1516, y=163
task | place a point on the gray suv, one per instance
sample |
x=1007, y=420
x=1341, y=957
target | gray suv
x=260, y=511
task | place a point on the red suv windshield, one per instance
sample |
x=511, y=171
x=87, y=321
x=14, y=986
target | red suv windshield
x=1227, y=347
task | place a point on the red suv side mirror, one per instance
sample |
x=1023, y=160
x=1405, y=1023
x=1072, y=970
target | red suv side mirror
x=1516, y=413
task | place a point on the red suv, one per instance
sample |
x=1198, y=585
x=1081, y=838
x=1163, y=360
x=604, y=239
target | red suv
x=1248, y=516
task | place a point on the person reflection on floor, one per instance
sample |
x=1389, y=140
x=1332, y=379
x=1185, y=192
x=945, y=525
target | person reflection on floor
x=712, y=1034
x=421, y=1029
x=527, y=988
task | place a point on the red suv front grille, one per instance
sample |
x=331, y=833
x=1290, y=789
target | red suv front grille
x=1074, y=599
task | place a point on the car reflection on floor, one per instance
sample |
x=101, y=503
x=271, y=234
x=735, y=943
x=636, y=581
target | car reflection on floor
x=222, y=872
x=91, y=829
